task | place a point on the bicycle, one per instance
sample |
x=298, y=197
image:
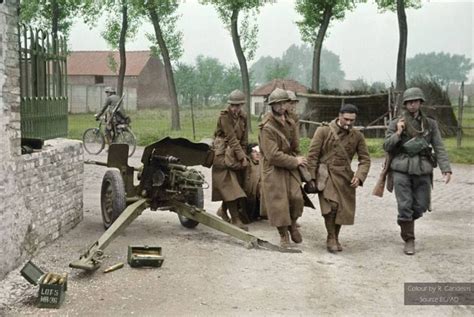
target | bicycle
x=94, y=138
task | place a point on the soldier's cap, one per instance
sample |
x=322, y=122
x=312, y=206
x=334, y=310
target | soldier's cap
x=278, y=95
x=109, y=89
x=292, y=96
x=349, y=108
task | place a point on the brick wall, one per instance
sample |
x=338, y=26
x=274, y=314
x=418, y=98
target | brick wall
x=40, y=193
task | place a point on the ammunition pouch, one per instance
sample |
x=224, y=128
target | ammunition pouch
x=415, y=146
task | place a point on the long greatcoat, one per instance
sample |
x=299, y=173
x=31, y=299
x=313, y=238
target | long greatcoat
x=231, y=131
x=338, y=187
x=281, y=183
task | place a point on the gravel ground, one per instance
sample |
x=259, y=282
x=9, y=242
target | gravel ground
x=206, y=273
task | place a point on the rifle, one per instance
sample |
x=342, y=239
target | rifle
x=117, y=106
x=384, y=175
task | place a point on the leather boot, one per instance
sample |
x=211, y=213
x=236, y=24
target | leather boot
x=294, y=232
x=338, y=229
x=330, y=222
x=234, y=215
x=407, y=232
x=222, y=212
x=284, y=237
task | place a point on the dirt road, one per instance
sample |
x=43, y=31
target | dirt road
x=207, y=273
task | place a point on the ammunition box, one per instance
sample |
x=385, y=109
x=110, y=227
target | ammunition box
x=143, y=255
x=49, y=295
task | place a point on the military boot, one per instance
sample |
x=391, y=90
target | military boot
x=294, y=232
x=330, y=222
x=234, y=215
x=338, y=229
x=222, y=212
x=284, y=236
x=407, y=232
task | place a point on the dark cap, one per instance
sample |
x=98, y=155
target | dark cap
x=349, y=108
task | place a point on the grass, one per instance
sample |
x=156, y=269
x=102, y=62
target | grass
x=152, y=125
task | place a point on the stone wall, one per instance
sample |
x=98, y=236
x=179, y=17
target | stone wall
x=40, y=193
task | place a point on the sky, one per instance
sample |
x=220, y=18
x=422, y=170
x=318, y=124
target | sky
x=366, y=40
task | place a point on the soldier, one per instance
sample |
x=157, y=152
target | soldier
x=291, y=112
x=282, y=197
x=408, y=141
x=335, y=145
x=109, y=105
x=230, y=160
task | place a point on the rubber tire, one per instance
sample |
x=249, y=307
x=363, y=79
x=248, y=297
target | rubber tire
x=95, y=132
x=198, y=201
x=112, y=184
x=127, y=135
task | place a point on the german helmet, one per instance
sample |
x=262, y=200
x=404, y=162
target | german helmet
x=292, y=95
x=278, y=95
x=236, y=97
x=413, y=93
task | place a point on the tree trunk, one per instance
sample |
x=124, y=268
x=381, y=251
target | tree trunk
x=175, y=124
x=402, y=45
x=242, y=63
x=123, y=58
x=318, y=46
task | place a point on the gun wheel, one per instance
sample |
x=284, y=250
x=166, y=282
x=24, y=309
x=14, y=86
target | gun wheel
x=112, y=197
x=197, y=200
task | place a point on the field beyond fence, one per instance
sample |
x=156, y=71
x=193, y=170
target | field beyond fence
x=152, y=125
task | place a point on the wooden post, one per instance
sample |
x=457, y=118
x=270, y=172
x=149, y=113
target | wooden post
x=192, y=119
x=460, y=112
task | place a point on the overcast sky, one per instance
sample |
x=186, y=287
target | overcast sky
x=366, y=40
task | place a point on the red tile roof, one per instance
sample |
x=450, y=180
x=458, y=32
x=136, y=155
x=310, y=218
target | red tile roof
x=96, y=62
x=286, y=84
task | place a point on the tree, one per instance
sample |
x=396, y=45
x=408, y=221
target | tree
x=277, y=70
x=442, y=67
x=317, y=15
x=245, y=41
x=399, y=6
x=186, y=81
x=168, y=39
x=210, y=73
x=122, y=24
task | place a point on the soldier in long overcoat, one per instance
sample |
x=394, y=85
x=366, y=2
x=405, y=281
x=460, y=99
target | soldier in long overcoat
x=230, y=159
x=282, y=197
x=335, y=145
x=409, y=140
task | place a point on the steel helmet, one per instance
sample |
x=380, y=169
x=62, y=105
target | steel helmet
x=236, y=97
x=413, y=93
x=278, y=95
x=292, y=95
x=110, y=89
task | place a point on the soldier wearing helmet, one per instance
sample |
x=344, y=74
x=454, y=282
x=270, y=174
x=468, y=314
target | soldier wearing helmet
x=281, y=194
x=111, y=118
x=230, y=158
x=410, y=141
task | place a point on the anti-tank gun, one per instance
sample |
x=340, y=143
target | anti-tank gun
x=165, y=182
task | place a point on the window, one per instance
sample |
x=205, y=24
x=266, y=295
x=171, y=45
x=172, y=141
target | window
x=99, y=79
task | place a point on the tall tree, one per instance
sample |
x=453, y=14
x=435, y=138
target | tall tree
x=399, y=6
x=168, y=38
x=244, y=36
x=210, y=73
x=186, y=82
x=317, y=14
x=122, y=24
x=442, y=67
x=278, y=70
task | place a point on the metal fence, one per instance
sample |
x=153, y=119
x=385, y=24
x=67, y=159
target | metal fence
x=43, y=84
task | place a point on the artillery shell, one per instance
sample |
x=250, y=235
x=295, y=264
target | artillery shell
x=62, y=279
x=47, y=278
x=114, y=267
x=54, y=278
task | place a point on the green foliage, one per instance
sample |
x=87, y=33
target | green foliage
x=312, y=13
x=299, y=60
x=442, y=67
x=186, y=81
x=277, y=70
x=391, y=5
x=112, y=63
x=209, y=73
x=113, y=25
x=41, y=13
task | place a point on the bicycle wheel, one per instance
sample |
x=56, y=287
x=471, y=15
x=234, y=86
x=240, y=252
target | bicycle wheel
x=127, y=137
x=93, y=140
